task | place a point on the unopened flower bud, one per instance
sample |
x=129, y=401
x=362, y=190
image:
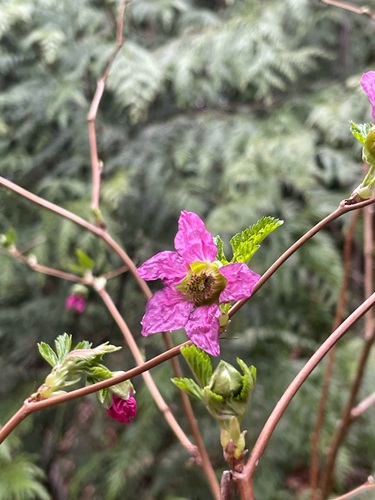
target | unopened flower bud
x=226, y=380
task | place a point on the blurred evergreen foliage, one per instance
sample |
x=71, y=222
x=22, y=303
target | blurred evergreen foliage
x=232, y=109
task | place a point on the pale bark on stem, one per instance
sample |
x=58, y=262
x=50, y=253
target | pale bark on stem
x=369, y=485
x=369, y=337
x=34, y=406
x=363, y=406
x=352, y=8
x=246, y=476
x=96, y=165
x=341, y=305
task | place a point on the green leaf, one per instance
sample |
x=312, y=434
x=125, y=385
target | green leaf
x=246, y=243
x=98, y=373
x=63, y=344
x=248, y=380
x=360, y=131
x=199, y=362
x=189, y=386
x=11, y=237
x=220, y=250
x=84, y=344
x=84, y=260
x=48, y=353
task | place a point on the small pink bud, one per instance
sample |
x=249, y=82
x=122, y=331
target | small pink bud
x=76, y=302
x=123, y=409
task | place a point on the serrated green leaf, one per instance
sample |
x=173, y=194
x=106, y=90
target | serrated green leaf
x=189, y=386
x=63, y=344
x=360, y=131
x=246, y=243
x=199, y=362
x=98, y=373
x=84, y=260
x=48, y=353
x=220, y=250
x=248, y=380
x=85, y=344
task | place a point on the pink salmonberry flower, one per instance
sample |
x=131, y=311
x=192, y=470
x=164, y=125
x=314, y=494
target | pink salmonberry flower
x=76, y=302
x=195, y=285
x=123, y=409
x=368, y=85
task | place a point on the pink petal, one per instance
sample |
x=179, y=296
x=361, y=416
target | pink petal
x=368, y=85
x=193, y=242
x=240, y=282
x=167, y=266
x=203, y=328
x=166, y=310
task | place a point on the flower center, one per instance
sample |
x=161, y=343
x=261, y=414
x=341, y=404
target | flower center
x=203, y=283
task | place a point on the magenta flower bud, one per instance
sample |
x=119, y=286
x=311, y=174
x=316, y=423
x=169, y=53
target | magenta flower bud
x=122, y=410
x=76, y=302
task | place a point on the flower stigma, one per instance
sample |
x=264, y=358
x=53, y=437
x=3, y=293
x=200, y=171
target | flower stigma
x=203, y=283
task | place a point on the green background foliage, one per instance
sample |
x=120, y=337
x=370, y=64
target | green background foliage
x=233, y=109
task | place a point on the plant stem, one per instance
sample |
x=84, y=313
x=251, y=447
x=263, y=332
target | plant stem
x=152, y=387
x=363, y=406
x=369, y=485
x=342, y=209
x=269, y=427
x=314, y=457
x=91, y=117
x=34, y=406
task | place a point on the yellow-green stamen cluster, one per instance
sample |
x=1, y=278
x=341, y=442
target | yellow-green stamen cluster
x=203, y=283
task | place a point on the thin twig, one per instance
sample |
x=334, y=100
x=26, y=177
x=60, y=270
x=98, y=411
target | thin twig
x=369, y=338
x=144, y=287
x=342, y=209
x=34, y=406
x=152, y=387
x=96, y=165
x=246, y=476
x=31, y=262
x=339, y=316
x=363, y=406
x=369, y=485
x=353, y=8
x=101, y=232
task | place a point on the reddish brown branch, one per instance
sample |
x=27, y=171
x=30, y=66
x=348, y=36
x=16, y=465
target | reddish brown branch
x=341, y=305
x=345, y=420
x=34, y=406
x=344, y=207
x=269, y=427
x=96, y=165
